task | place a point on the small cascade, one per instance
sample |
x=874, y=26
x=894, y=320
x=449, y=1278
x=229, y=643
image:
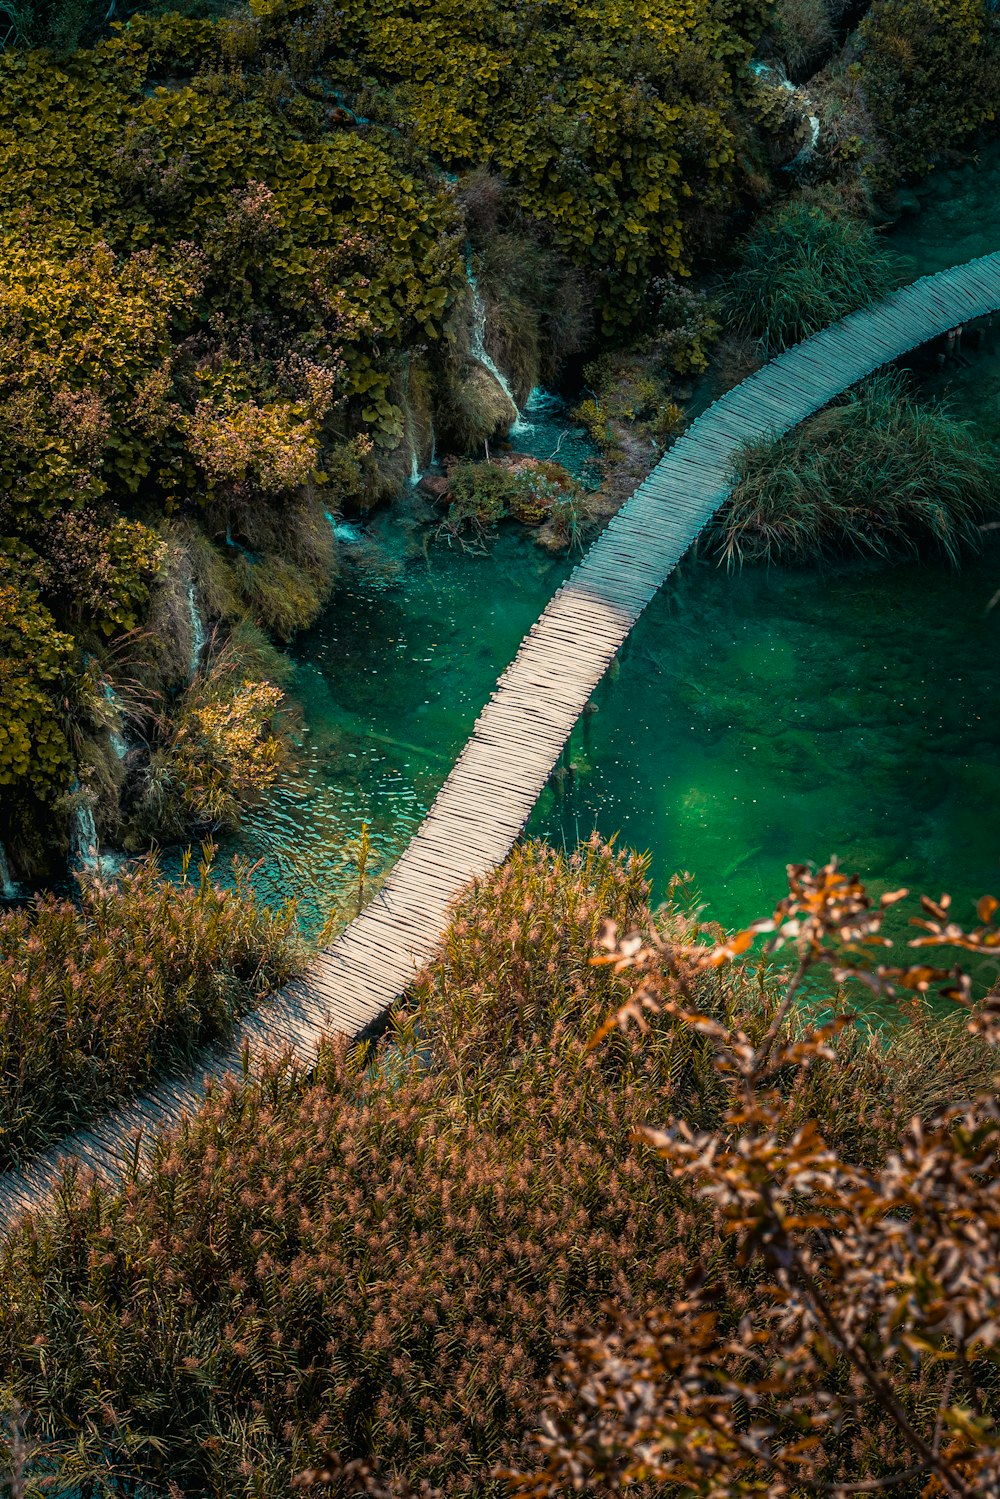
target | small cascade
x=84, y=831
x=344, y=530
x=8, y=889
x=776, y=75
x=415, y=474
x=479, y=350
x=197, y=626
x=118, y=741
x=84, y=838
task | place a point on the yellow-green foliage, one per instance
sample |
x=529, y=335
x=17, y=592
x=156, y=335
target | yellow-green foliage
x=36, y=668
x=202, y=283
x=224, y=753
x=83, y=335
x=320, y=227
x=100, y=572
x=930, y=70
x=212, y=276
x=608, y=116
x=632, y=391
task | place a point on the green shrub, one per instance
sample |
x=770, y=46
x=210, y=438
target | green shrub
x=803, y=32
x=38, y=669
x=878, y=474
x=382, y=1260
x=222, y=751
x=802, y=269
x=930, y=73
x=527, y=490
x=98, y=996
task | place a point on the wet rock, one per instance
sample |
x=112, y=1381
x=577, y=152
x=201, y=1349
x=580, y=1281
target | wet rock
x=434, y=485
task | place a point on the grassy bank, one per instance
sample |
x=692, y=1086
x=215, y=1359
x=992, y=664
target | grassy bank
x=878, y=474
x=99, y=996
x=383, y=1260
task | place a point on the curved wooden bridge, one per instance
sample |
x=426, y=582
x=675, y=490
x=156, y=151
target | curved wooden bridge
x=484, y=803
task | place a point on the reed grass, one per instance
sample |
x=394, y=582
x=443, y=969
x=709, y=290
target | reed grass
x=802, y=269
x=382, y=1257
x=99, y=995
x=880, y=474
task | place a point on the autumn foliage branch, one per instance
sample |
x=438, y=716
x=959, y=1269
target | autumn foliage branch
x=868, y=1361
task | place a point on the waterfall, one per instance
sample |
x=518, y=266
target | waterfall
x=779, y=78
x=84, y=838
x=197, y=628
x=84, y=830
x=415, y=474
x=8, y=889
x=479, y=350
x=344, y=530
x=118, y=742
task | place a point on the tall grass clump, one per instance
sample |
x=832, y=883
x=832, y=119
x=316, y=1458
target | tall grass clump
x=97, y=996
x=879, y=474
x=802, y=269
x=381, y=1258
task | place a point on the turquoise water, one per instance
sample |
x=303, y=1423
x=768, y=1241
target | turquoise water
x=773, y=716
x=756, y=719
x=390, y=682
x=778, y=716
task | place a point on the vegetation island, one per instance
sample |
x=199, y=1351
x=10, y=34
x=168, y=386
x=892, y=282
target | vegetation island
x=333, y=334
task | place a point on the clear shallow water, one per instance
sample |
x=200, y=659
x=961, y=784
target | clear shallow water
x=390, y=682
x=548, y=433
x=959, y=220
x=775, y=716
x=756, y=719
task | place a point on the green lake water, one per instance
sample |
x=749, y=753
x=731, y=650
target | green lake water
x=755, y=719
x=389, y=682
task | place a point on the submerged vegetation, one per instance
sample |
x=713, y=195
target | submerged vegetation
x=877, y=474
x=381, y=1259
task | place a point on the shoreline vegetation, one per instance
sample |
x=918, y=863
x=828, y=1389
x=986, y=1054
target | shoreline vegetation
x=132, y=980
x=369, y=1261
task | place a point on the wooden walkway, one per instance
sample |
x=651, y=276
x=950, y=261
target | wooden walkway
x=496, y=780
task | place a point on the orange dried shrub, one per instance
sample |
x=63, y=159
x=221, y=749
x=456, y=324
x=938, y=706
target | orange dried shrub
x=869, y=1357
x=382, y=1259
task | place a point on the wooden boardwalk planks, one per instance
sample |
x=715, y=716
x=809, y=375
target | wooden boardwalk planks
x=517, y=739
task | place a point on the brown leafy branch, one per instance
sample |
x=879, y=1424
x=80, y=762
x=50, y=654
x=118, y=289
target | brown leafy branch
x=870, y=1359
